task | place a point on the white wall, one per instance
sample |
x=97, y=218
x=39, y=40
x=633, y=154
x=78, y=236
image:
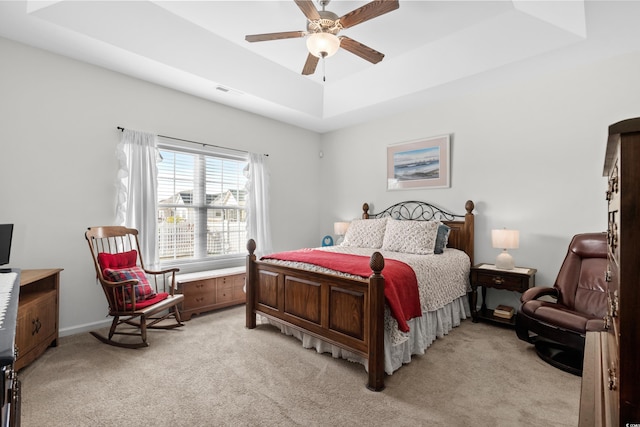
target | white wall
x=57, y=164
x=530, y=155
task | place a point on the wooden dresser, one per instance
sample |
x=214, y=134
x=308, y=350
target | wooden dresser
x=611, y=377
x=210, y=290
x=37, y=324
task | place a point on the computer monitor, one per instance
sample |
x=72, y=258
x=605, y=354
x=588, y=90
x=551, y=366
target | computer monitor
x=6, y=233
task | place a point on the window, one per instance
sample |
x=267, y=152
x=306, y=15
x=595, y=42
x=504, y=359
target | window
x=201, y=204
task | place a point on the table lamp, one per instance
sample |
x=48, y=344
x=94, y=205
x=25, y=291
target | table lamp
x=340, y=229
x=505, y=239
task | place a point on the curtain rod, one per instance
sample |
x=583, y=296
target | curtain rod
x=121, y=129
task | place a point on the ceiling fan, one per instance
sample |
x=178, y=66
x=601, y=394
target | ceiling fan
x=323, y=27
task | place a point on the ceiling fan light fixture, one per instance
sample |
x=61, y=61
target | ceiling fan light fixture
x=323, y=45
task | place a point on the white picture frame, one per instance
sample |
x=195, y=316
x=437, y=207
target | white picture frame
x=419, y=164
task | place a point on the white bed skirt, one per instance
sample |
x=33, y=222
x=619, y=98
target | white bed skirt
x=423, y=331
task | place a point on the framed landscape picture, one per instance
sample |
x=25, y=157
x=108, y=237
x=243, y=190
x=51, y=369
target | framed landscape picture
x=423, y=163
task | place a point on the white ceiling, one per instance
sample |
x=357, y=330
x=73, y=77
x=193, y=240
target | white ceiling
x=433, y=49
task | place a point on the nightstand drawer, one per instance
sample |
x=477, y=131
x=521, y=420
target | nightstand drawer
x=502, y=281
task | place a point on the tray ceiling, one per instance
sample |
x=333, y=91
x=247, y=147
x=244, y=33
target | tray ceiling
x=433, y=49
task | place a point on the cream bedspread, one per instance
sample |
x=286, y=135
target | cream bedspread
x=443, y=283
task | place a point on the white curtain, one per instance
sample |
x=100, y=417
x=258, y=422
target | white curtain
x=137, y=182
x=257, y=205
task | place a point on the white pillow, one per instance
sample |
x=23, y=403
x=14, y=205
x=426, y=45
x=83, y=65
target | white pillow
x=365, y=233
x=413, y=237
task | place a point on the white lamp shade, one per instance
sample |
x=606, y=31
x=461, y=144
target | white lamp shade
x=505, y=239
x=323, y=44
x=340, y=228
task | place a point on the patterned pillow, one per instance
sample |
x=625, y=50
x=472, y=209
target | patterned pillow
x=143, y=289
x=365, y=233
x=413, y=237
x=442, y=238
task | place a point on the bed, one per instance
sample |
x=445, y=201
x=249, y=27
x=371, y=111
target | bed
x=348, y=314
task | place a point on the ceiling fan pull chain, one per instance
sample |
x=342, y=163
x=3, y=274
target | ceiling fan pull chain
x=324, y=74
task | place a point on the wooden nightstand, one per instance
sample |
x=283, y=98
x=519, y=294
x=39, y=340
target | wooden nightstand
x=488, y=276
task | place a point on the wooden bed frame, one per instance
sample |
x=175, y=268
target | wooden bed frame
x=348, y=313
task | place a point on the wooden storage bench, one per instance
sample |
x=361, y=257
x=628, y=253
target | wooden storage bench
x=209, y=290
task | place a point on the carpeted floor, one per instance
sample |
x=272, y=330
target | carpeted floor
x=214, y=372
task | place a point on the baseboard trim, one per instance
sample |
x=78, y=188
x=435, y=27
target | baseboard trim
x=87, y=327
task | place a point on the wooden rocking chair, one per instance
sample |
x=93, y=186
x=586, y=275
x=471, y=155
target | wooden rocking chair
x=137, y=297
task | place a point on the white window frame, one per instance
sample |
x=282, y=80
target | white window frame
x=200, y=260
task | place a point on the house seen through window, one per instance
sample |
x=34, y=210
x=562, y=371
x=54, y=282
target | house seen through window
x=201, y=205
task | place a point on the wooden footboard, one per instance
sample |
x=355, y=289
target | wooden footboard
x=345, y=312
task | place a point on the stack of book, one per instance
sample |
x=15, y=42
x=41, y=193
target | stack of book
x=504, y=311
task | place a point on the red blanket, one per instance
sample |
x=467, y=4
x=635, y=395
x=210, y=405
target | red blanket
x=401, y=285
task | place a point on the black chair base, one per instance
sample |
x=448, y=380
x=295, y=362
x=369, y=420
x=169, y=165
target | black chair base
x=562, y=357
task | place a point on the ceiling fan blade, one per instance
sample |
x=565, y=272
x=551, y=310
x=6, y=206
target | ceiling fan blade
x=364, y=52
x=309, y=10
x=275, y=36
x=368, y=11
x=310, y=65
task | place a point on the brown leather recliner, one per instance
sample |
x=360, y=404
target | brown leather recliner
x=580, y=292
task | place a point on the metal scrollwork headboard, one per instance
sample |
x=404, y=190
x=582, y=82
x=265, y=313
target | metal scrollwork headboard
x=415, y=211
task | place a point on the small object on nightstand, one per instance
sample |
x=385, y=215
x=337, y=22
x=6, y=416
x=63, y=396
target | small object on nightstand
x=327, y=241
x=504, y=311
x=518, y=279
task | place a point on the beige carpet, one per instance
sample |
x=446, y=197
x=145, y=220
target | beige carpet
x=214, y=372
